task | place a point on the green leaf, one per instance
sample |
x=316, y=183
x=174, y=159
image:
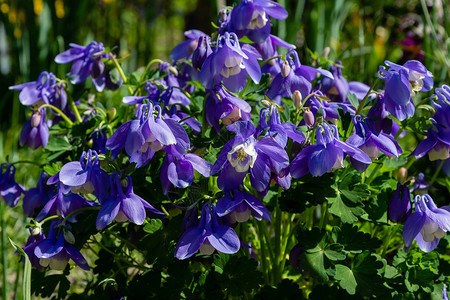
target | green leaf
x=346, y=279
x=364, y=268
x=26, y=282
x=58, y=143
x=316, y=261
x=343, y=210
x=352, y=189
x=353, y=240
x=353, y=100
x=52, y=169
x=153, y=226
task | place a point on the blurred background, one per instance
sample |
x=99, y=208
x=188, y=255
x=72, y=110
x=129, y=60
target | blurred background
x=362, y=34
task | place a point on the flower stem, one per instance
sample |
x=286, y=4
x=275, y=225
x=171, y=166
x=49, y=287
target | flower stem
x=74, y=108
x=122, y=74
x=3, y=249
x=435, y=175
x=87, y=208
x=63, y=115
x=364, y=100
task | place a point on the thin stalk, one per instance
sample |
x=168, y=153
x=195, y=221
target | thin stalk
x=323, y=219
x=263, y=255
x=63, y=115
x=372, y=175
x=81, y=210
x=75, y=111
x=3, y=249
x=278, y=217
x=122, y=74
x=435, y=175
x=25, y=162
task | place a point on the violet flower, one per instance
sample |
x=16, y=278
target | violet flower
x=208, y=236
x=56, y=250
x=400, y=205
x=10, y=190
x=427, y=225
x=251, y=18
x=35, y=133
x=32, y=242
x=88, y=61
x=402, y=82
x=243, y=154
x=186, y=48
x=153, y=95
x=295, y=76
x=45, y=89
x=420, y=186
x=238, y=206
x=85, y=175
x=123, y=206
x=38, y=196
x=437, y=143
x=327, y=155
x=230, y=64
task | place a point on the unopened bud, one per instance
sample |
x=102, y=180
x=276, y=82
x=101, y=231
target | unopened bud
x=35, y=119
x=297, y=99
x=192, y=46
x=36, y=230
x=308, y=116
x=265, y=103
x=402, y=174
x=112, y=113
x=326, y=51
x=68, y=236
x=271, y=62
x=173, y=70
x=285, y=69
x=124, y=183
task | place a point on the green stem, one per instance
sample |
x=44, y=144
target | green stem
x=323, y=219
x=74, y=108
x=276, y=267
x=263, y=255
x=156, y=60
x=435, y=175
x=270, y=58
x=364, y=100
x=372, y=175
x=88, y=208
x=48, y=219
x=25, y=162
x=122, y=74
x=63, y=115
x=3, y=249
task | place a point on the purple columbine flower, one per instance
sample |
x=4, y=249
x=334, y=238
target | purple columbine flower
x=186, y=48
x=33, y=241
x=183, y=118
x=221, y=105
x=208, y=236
x=251, y=18
x=123, y=206
x=201, y=53
x=35, y=132
x=243, y=154
x=402, y=82
x=400, y=205
x=238, y=206
x=88, y=61
x=294, y=76
x=45, y=89
x=380, y=115
x=427, y=225
x=437, y=143
x=420, y=186
x=325, y=156
x=85, y=175
x=153, y=96
x=178, y=168
x=10, y=190
x=230, y=64
x=56, y=250
x=338, y=88
x=279, y=131
x=372, y=142
x=173, y=83
x=142, y=137
x=38, y=196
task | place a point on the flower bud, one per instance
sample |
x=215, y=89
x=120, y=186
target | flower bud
x=285, y=69
x=297, y=99
x=266, y=103
x=68, y=236
x=402, y=174
x=192, y=46
x=308, y=116
x=35, y=119
x=173, y=70
x=36, y=230
x=326, y=51
x=112, y=113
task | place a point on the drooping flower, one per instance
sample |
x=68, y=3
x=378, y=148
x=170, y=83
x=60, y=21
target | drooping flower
x=251, y=18
x=46, y=89
x=207, y=236
x=327, y=155
x=35, y=132
x=372, y=142
x=437, y=142
x=295, y=76
x=178, y=168
x=402, y=82
x=122, y=206
x=238, y=206
x=400, y=205
x=230, y=63
x=10, y=190
x=38, y=196
x=186, y=48
x=142, y=137
x=85, y=175
x=56, y=250
x=88, y=61
x=420, y=186
x=153, y=96
x=245, y=154
x=32, y=242
x=427, y=224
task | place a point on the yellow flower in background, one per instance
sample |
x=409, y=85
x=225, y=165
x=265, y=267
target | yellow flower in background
x=59, y=7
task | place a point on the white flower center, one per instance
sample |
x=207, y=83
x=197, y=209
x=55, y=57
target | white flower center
x=259, y=19
x=232, y=117
x=415, y=82
x=232, y=66
x=243, y=156
x=85, y=188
